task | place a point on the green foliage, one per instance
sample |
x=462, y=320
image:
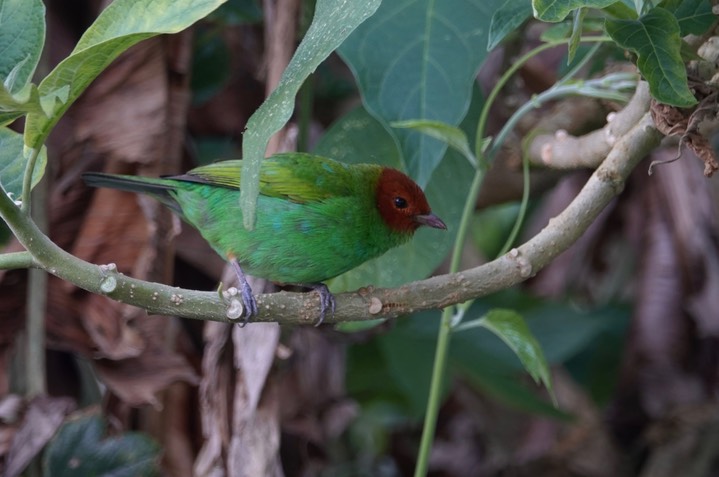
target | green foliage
x=12, y=163
x=332, y=23
x=79, y=449
x=506, y=19
x=652, y=33
x=21, y=38
x=417, y=59
x=654, y=37
x=511, y=328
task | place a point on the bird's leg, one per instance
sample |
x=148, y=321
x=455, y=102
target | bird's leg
x=327, y=300
x=246, y=291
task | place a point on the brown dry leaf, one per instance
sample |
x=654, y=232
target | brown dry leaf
x=137, y=381
x=694, y=126
x=43, y=417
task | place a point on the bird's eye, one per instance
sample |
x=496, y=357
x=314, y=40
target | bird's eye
x=400, y=202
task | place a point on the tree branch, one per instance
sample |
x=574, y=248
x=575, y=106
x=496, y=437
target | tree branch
x=367, y=303
x=562, y=151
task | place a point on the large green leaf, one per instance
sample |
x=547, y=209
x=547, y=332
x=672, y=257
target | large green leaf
x=507, y=19
x=654, y=38
x=417, y=59
x=79, y=449
x=332, y=23
x=122, y=24
x=358, y=137
x=22, y=34
x=12, y=163
x=557, y=10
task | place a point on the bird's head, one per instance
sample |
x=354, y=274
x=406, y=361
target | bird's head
x=402, y=203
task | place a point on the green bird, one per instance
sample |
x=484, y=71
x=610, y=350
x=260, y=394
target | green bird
x=316, y=218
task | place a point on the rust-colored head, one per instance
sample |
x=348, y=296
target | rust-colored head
x=402, y=203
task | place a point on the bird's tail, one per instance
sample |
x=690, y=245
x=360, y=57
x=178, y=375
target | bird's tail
x=160, y=189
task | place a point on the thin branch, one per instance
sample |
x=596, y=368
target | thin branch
x=367, y=303
x=562, y=151
x=17, y=260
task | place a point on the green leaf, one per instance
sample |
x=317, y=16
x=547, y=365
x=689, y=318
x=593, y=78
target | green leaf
x=694, y=16
x=12, y=163
x=78, y=449
x=417, y=59
x=507, y=19
x=654, y=38
x=577, y=23
x=332, y=23
x=512, y=329
x=557, y=10
x=22, y=35
x=121, y=25
x=451, y=135
x=347, y=140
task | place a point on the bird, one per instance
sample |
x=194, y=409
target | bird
x=316, y=217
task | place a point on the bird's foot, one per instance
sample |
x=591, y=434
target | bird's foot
x=327, y=301
x=248, y=299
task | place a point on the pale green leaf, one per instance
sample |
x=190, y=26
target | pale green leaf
x=22, y=34
x=577, y=23
x=451, y=135
x=333, y=22
x=654, y=38
x=557, y=10
x=121, y=25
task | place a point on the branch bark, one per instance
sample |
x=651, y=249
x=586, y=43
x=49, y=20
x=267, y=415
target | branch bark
x=367, y=303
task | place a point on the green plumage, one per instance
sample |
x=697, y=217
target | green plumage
x=316, y=218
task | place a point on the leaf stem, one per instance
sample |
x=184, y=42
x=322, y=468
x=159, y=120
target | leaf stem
x=445, y=328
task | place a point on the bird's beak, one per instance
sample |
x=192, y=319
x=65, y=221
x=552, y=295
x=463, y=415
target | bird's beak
x=430, y=220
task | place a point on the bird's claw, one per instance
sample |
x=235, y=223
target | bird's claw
x=327, y=301
x=248, y=299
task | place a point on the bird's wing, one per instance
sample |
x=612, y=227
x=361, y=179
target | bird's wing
x=295, y=176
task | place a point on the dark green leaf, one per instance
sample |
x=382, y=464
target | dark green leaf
x=507, y=389
x=654, y=38
x=694, y=16
x=210, y=65
x=79, y=449
x=510, y=327
x=507, y=19
x=417, y=59
x=238, y=12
